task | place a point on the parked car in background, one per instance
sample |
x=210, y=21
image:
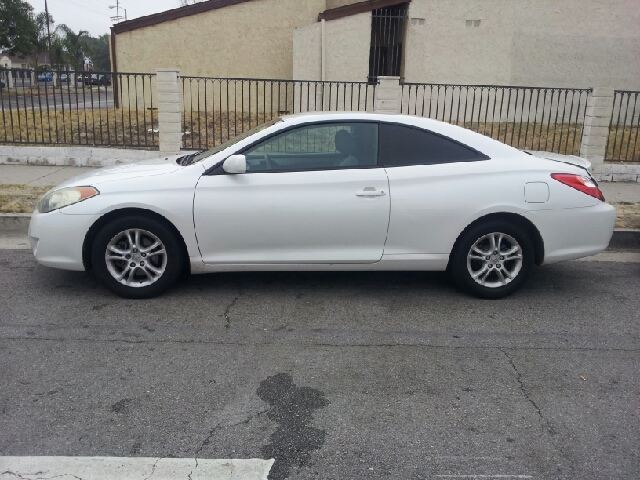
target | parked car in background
x=45, y=77
x=97, y=79
x=328, y=191
x=65, y=78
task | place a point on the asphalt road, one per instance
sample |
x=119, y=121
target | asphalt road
x=340, y=375
x=88, y=98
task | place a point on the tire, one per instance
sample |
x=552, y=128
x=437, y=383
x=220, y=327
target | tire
x=142, y=252
x=499, y=272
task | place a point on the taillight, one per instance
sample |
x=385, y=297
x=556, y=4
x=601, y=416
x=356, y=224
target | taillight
x=584, y=184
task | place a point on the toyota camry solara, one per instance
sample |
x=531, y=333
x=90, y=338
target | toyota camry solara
x=339, y=191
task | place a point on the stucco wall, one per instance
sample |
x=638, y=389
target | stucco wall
x=571, y=43
x=348, y=45
x=252, y=39
x=347, y=42
x=307, y=52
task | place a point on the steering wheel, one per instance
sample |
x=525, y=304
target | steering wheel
x=268, y=161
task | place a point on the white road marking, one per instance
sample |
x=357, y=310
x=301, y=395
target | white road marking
x=115, y=468
x=483, y=476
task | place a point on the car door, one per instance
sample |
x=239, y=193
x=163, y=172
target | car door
x=436, y=184
x=312, y=194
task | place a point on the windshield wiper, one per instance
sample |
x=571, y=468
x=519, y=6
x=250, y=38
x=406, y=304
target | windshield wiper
x=188, y=159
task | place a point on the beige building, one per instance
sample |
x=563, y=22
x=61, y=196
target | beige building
x=563, y=43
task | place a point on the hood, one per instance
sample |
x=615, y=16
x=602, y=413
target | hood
x=557, y=157
x=145, y=168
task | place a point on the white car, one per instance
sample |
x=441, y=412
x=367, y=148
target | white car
x=332, y=191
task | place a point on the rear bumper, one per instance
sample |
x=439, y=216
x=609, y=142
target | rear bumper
x=576, y=232
x=56, y=239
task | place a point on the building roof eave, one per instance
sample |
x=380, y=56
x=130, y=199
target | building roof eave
x=173, y=14
x=355, y=8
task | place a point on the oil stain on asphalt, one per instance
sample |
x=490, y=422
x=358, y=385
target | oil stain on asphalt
x=291, y=408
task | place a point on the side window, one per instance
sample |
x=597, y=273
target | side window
x=316, y=147
x=400, y=145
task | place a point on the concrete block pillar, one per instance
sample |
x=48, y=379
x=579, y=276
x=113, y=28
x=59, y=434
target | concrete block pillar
x=596, y=125
x=388, y=95
x=9, y=79
x=169, y=116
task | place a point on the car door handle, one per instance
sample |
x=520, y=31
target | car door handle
x=370, y=192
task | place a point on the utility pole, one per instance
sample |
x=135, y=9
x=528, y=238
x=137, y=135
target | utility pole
x=46, y=11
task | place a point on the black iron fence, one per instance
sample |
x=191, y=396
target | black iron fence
x=622, y=143
x=217, y=109
x=78, y=108
x=529, y=118
x=120, y=109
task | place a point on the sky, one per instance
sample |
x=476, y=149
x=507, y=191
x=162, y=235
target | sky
x=93, y=15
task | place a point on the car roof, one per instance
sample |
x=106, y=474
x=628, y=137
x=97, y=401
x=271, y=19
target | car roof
x=482, y=143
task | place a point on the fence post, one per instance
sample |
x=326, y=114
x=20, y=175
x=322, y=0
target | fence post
x=596, y=126
x=169, y=112
x=388, y=95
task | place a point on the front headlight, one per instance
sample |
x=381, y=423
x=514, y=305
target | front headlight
x=65, y=197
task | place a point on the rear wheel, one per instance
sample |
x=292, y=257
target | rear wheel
x=137, y=257
x=493, y=260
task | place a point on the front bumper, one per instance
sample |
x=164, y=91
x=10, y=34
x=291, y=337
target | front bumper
x=56, y=239
x=575, y=232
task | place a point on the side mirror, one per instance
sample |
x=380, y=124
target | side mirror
x=235, y=164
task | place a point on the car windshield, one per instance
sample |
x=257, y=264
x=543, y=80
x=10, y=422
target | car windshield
x=233, y=141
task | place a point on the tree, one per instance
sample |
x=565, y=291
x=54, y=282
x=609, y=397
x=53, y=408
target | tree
x=17, y=27
x=58, y=53
x=98, y=50
x=74, y=44
x=40, y=40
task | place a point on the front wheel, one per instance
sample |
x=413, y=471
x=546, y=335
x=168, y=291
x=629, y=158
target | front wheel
x=493, y=260
x=137, y=257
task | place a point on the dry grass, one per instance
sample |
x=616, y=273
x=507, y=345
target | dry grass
x=207, y=131
x=624, y=144
x=20, y=198
x=126, y=127
x=628, y=215
x=560, y=138
x=80, y=127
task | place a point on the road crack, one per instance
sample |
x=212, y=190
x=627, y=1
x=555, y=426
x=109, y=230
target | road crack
x=153, y=469
x=212, y=432
x=547, y=425
x=227, y=311
x=9, y=472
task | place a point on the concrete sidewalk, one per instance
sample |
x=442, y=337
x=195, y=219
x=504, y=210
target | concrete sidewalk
x=37, y=176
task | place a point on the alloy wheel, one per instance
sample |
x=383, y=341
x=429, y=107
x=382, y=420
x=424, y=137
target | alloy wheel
x=494, y=260
x=136, y=258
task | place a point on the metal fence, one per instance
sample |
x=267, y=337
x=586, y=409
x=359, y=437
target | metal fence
x=622, y=143
x=78, y=108
x=529, y=118
x=120, y=109
x=217, y=109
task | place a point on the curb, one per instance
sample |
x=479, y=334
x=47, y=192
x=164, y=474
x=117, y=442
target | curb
x=18, y=224
x=14, y=223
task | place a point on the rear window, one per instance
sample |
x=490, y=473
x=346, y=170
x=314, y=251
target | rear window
x=401, y=145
